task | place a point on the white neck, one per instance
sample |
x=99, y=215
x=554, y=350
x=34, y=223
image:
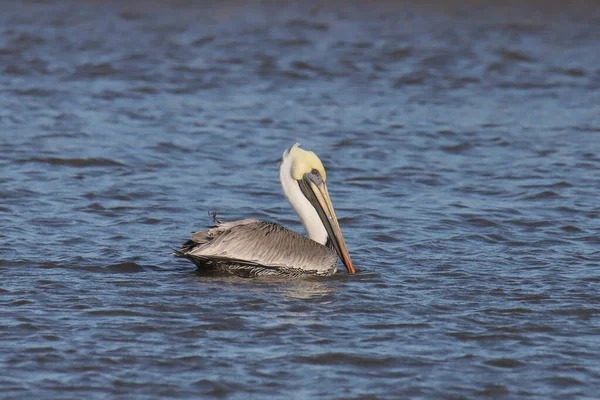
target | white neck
x=307, y=213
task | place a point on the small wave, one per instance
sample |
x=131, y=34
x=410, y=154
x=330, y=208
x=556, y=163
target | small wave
x=125, y=267
x=304, y=66
x=481, y=222
x=458, y=148
x=571, y=228
x=345, y=359
x=546, y=194
x=93, y=71
x=52, y=135
x=396, y=326
x=381, y=178
x=412, y=79
x=515, y=310
x=19, y=303
x=528, y=85
x=446, y=132
x=203, y=41
x=399, y=53
x=559, y=184
x=294, y=75
x=31, y=327
x=36, y=92
x=385, y=239
x=214, y=388
x=26, y=39
x=231, y=60
x=462, y=81
x=523, y=27
x=500, y=142
x=129, y=15
x=563, y=381
x=145, y=89
x=294, y=43
x=116, y=313
x=530, y=223
x=587, y=128
x=46, y=349
x=74, y=162
x=572, y=72
x=493, y=391
x=504, y=363
x=300, y=23
x=150, y=221
x=468, y=337
x=515, y=56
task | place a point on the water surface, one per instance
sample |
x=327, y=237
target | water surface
x=462, y=147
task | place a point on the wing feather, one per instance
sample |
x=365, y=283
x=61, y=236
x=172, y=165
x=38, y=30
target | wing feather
x=255, y=243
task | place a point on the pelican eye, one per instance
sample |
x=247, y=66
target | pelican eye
x=315, y=172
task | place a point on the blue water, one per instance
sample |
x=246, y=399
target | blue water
x=462, y=149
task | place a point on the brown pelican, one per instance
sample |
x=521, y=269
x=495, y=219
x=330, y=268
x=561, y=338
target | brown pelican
x=251, y=247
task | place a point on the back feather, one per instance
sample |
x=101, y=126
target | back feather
x=252, y=243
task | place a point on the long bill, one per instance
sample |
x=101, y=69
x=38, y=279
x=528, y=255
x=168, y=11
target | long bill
x=318, y=195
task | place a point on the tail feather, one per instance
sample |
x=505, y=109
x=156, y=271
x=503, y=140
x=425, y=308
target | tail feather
x=198, y=238
x=214, y=215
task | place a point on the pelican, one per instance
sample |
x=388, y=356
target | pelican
x=250, y=247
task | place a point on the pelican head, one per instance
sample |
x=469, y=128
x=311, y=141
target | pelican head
x=303, y=180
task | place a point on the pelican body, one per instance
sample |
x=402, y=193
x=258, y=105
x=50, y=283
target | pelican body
x=251, y=247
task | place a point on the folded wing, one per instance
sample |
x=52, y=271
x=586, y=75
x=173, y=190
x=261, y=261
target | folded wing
x=253, y=243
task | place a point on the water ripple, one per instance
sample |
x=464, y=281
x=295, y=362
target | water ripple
x=462, y=158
